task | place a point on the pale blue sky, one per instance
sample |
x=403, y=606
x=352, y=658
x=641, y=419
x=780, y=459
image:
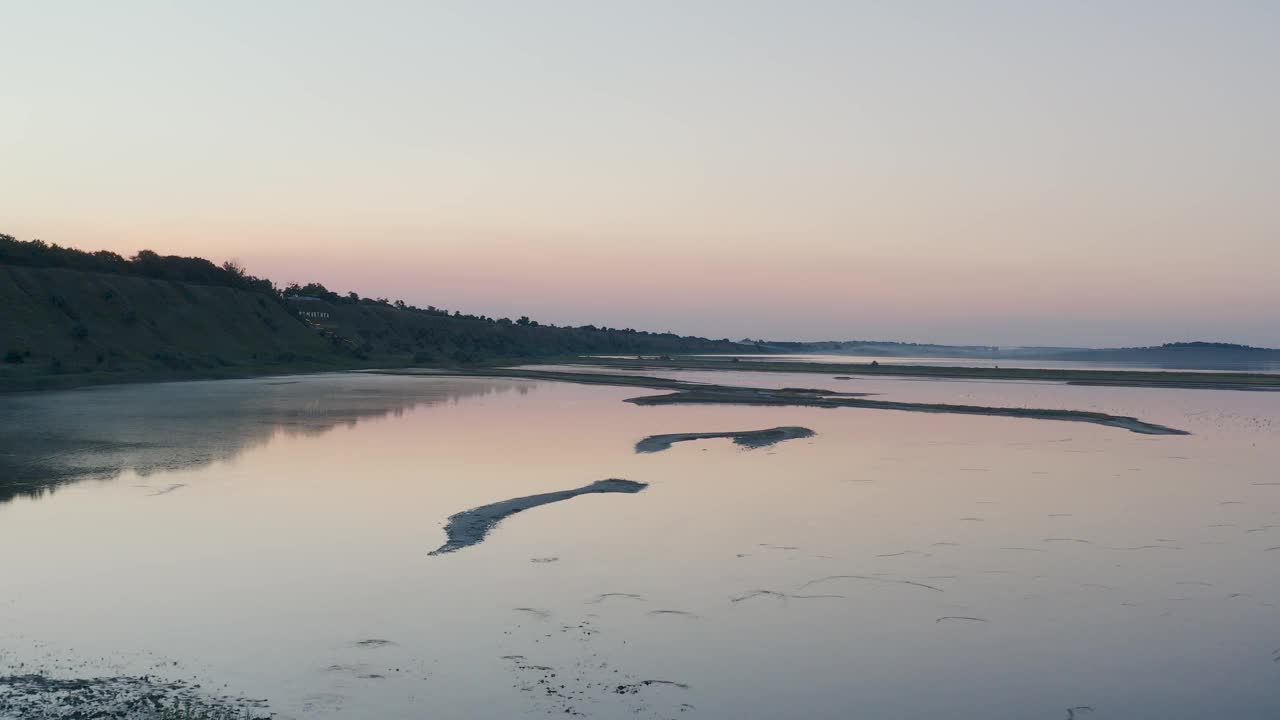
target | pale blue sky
x=1003, y=172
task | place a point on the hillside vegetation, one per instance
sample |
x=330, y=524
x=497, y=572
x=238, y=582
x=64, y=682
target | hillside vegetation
x=64, y=321
x=72, y=317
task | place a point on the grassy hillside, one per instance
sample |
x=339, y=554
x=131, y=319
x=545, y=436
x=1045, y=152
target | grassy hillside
x=62, y=326
x=58, y=321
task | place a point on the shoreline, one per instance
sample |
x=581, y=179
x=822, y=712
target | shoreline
x=73, y=381
x=1256, y=382
x=1261, y=382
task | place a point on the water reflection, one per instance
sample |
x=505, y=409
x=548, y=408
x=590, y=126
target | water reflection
x=892, y=565
x=50, y=439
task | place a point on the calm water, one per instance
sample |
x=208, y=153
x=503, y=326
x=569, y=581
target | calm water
x=257, y=534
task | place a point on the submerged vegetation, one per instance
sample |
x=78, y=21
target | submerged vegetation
x=35, y=696
x=191, y=711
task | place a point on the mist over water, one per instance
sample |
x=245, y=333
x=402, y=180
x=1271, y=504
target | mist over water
x=275, y=538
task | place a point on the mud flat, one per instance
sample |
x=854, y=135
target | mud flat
x=688, y=393
x=471, y=526
x=750, y=439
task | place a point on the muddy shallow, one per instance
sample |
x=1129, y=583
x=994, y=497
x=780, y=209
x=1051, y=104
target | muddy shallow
x=273, y=540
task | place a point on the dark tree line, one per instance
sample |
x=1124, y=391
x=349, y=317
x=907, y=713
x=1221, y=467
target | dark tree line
x=38, y=253
x=441, y=338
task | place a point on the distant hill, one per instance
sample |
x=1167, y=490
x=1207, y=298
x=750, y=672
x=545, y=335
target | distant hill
x=1190, y=354
x=70, y=316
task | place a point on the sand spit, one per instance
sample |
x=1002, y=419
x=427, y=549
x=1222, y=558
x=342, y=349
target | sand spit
x=750, y=439
x=714, y=395
x=40, y=697
x=1122, y=378
x=470, y=527
x=687, y=393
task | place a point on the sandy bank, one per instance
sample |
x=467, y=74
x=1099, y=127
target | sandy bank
x=731, y=397
x=749, y=439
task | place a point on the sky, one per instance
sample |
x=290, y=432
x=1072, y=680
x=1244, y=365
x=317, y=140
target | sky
x=1022, y=172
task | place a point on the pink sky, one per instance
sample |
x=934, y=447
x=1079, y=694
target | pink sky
x=992, y=173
